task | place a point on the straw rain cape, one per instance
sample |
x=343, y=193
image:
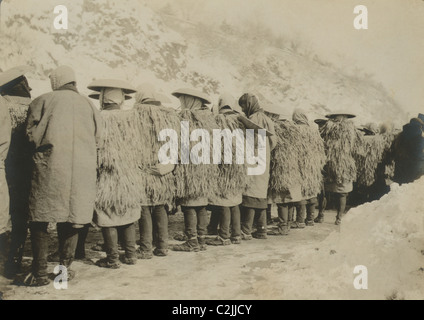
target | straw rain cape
x=341, y=145
x=118, y=186
x=285, y=173
x=197, y=181
x=369, y=158
x=152, y=119
x=312, y=160
x=232, y=178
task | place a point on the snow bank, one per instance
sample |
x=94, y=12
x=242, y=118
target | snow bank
x=386, y=236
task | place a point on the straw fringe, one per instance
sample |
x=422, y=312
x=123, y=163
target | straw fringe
x=197, y=181
x=151, y=121
x=312, y=160
x=118, y=184
x=374, y=159
x=342, y=141
x=232, y=178
x=284, y=168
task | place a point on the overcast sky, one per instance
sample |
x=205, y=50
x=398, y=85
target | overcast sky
x=392, y=48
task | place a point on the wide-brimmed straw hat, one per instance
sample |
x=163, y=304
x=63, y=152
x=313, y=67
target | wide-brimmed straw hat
x=98, y=85
x=12, y=74
x=249, y=124
x=192, y=92
x=96, y=96
x=340, y=113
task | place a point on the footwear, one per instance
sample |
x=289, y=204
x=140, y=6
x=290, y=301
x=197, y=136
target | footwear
x=160, y=252
x=180, y=237
x=70, y=273
x=258, y=235
x=202, y=243
x=130, y=261
x=105, y=263
x=11, y=269
x=246, y=236
x=53, y=257
x=188, y=246
x=310, y=223
x=33, y=281
x=99, y=247
x=218, y=241
x=236, y=240
x=338, y=222
x=213, y=232
x=319, y=219
x=280, y=231
x=144, y=255
x=297, y=225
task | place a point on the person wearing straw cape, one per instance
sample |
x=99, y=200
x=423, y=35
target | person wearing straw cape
x=63, y=128
x=196, y=181
x=232, y=179
x=157, y=179
x=341, y=143
x=285, y=186
x=118, y=202
x=312, y=159
x=16, y=97
x=255, y=197
x=322, y=199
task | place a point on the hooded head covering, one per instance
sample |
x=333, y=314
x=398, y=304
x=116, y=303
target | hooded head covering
x=112, y=96
x=249, y=103
x=387, y=127
x=146, y=93
x=62, y=75
x=299, y=117
x=17, y=88
x=226, y=101
x=190, y=102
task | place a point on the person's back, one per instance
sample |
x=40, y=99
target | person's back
x=62, y=127
x=409, y=152
x=64, y=136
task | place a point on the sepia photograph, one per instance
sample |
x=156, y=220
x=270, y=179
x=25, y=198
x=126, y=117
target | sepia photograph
x=219, y=151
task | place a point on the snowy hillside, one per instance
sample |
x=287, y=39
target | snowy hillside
x=126, y=39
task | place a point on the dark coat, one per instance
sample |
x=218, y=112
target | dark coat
x=409, y=153
x=63, y=127
x=18, y=162
x=5, y=133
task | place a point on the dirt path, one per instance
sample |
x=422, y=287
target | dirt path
x=231, y=272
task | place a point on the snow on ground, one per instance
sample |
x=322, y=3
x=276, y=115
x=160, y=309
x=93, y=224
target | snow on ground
x=386, y=236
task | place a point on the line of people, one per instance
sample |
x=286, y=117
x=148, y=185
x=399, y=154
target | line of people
x=70, y=164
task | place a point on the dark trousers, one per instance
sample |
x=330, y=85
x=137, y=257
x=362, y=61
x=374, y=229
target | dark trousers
x=82, y=236
x=310, y=209
x=229, y=216
x=17, y=242
x=341, y=204
x=247, y=218
x=285, y=213
x=214, y=219
x=68, y=238
x=322, y=203
x=300, y=211
x=153, y=226
x=195, y=221
x=127, y=238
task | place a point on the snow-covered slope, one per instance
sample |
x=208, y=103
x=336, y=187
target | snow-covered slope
x=128, y=40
